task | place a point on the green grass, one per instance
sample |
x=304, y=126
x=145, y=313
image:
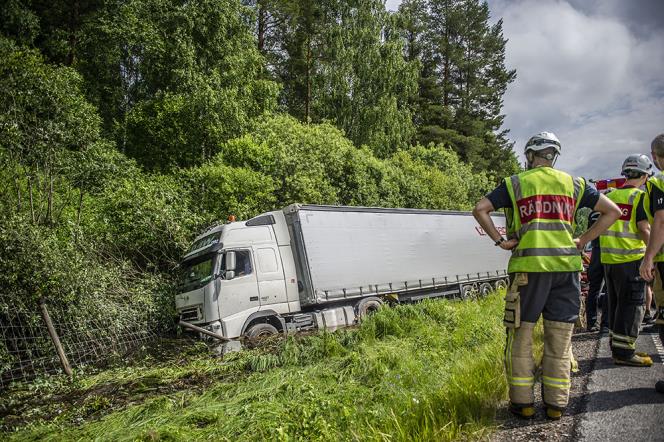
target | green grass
x=429, y=371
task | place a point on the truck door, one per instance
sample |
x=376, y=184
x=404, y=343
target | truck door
x=270, y=274
x=241, y=292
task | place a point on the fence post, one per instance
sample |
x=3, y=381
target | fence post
x=55, y=338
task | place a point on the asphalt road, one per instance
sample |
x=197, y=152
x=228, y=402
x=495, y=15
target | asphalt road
x=621, y=402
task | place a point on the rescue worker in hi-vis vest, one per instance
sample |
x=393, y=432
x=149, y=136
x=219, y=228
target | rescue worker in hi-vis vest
x=652, y=266
x=622, y=248
x=540, y=206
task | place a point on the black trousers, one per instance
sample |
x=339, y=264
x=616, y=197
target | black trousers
x=626, y=292
x=554, y=295
x=596, y=282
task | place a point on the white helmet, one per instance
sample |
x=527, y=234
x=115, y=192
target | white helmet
x=637, y=163
x=541, y=141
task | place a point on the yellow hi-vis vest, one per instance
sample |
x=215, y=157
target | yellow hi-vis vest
x=621, y=242
x=657, y=181
x=544, y=202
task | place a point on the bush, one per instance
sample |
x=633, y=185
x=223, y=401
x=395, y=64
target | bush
x=146, y=219
x=316, y=164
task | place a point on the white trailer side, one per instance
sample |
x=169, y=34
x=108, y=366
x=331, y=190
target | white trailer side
x=350, y=252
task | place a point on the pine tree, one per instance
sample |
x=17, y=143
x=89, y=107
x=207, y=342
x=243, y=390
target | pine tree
x=462, y=79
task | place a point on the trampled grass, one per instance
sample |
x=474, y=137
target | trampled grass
x=429, y=371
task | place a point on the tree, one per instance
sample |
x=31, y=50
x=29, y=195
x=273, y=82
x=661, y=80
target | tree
x=462, y=80
x=44, y=120
x=172, y=80
x=18, y=22
x=341, y=61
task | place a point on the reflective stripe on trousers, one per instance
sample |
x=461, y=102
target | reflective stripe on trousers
x=622, y=341
x=556, y=382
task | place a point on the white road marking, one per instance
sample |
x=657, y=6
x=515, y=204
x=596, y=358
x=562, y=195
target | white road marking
x=658, y=346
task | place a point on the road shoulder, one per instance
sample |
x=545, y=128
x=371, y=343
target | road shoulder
x=622, y=403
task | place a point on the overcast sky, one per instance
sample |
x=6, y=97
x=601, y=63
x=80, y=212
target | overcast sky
x=591, y=71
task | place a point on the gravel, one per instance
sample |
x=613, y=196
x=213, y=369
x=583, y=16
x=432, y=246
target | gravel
x=512, y=428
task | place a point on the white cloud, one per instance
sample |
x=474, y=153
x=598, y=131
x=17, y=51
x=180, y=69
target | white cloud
x=587, y=78
x=592, y=71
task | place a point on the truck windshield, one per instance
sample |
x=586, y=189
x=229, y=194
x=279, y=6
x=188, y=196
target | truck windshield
x=196, y=273
x=205, y=241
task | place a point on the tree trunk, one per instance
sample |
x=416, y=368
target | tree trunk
x=32, y=205
x=446, y=56
x=307, y=101
x=49, y=210
x=18, y=194
x=262, y=25
x=73, y=40
x=78, y=214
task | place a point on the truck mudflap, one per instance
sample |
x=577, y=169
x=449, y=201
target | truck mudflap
x=335, y=318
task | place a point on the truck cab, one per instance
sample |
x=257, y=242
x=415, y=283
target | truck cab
x=239, y=274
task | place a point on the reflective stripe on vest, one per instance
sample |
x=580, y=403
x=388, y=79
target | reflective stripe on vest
x=544, y=202
x=560, y=251
x=657, y=181
x=544, y=226
x=629, y=235
x=621, y=242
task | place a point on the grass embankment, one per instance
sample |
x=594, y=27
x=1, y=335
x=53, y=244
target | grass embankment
x=430, y=371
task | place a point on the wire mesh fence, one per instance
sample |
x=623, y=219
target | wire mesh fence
x=97, y=334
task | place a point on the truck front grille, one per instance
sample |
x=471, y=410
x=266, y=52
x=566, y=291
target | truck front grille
x=191, y=314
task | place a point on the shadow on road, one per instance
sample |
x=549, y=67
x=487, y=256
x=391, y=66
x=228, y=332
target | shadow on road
x=615, y=400
x=585, y=336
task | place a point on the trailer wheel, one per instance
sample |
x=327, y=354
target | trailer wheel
x=259, y=331
x=367, y=306
x=467, y=292
x=501, y=284
x=485, y=289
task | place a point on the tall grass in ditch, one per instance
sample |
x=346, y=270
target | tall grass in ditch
x=430, y=371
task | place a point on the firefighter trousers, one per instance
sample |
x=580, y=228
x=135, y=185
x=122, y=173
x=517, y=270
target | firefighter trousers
x=626, y=291
x=556, y=296
x=596, y=282
x=658, y=292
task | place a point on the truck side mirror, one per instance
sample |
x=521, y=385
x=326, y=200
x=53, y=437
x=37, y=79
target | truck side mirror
x=230, y=264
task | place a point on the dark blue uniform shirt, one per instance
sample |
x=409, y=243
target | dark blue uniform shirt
x=500, y=197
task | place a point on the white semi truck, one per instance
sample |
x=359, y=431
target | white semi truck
x=313, y=267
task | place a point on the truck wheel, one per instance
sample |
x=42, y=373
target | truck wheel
x=485, y=289
x=367, y=306
x=258, y=331
x=467, y=292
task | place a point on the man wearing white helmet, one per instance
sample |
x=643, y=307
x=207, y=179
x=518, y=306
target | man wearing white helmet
x=540, y=206
x=622, y=248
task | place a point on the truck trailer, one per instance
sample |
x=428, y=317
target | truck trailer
x=313, y=267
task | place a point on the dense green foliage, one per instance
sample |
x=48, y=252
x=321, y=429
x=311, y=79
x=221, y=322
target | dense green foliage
x=430, y=371
x=126, y=127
